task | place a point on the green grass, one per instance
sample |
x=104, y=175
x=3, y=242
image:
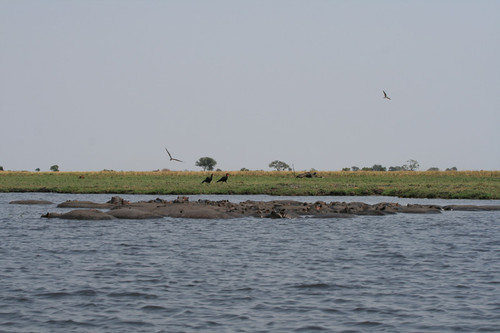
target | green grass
x=439, y=184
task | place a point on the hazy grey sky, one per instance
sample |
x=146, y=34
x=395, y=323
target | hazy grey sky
x=93, y=85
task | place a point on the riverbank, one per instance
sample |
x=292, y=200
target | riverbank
x=415, y=184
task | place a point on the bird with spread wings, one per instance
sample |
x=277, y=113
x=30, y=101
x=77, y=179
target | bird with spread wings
x=171, y=158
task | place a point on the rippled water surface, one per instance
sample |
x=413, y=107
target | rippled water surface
x=395, y=273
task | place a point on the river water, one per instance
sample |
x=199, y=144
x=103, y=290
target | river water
x=394, y=273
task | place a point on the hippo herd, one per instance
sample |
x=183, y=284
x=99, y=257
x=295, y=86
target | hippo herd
x=182, y=207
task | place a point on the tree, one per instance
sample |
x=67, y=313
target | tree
x=398, y=168
x=54, y=168
x=433, y=169
x=1, y=168
x=37, y=169
x=452, y=169
x=207, y=163
x=279, y=165
x=355, y=168
x=378, y=167
x=413, y=165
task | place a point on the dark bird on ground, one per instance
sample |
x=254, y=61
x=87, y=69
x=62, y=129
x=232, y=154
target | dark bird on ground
x=385, y=95
x=224, y=178
x=171, y=158
x=208, y=180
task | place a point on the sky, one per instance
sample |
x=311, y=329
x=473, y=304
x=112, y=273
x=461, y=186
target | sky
x=93, y=85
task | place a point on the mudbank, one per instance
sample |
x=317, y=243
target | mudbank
x=223, y=209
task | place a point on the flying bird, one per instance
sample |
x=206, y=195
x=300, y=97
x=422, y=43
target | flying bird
x=223, y=179
x=385, y=95
x=171, y=158
x=208, y=180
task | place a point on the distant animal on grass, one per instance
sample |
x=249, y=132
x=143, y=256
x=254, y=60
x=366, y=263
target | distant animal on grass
x=208, y=180
x=224, y=178
x=171, y=158
x=308, y=175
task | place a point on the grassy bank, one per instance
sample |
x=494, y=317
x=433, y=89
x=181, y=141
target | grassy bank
x=440, y=184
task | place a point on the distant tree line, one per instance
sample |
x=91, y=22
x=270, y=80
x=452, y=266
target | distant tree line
x=412, y=165
x=54, y=168
x=208, y=163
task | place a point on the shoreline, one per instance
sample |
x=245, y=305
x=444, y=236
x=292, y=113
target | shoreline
x=409, y=184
